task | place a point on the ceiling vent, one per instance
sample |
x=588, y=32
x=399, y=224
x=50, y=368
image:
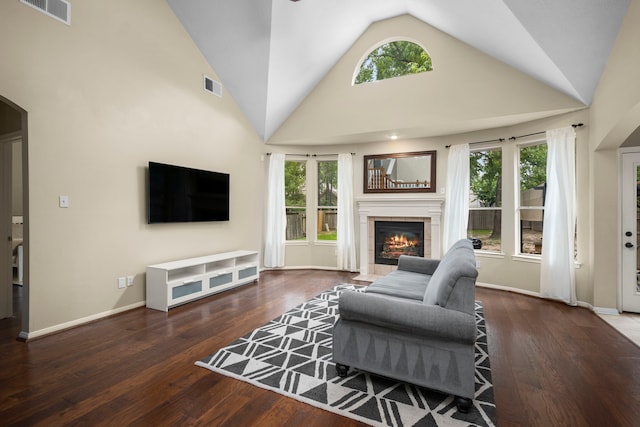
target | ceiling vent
x=58, y=9
x=213, y=86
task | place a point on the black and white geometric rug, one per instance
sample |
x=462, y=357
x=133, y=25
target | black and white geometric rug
x=291, y=355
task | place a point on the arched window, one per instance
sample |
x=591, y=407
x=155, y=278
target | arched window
x=393, y=59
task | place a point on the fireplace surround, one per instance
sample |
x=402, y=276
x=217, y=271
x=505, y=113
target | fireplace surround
x=425, y=210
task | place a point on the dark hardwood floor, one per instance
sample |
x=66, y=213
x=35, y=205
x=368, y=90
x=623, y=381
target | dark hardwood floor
x=552, y=365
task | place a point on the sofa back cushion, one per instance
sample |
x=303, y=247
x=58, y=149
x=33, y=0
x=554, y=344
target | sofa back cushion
x=457, y=263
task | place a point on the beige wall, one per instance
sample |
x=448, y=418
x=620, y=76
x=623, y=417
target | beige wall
x=459, y=93
x=119, y=87
x=502, y=270
x=462, y=77
x=115, y=90
x=615, y=114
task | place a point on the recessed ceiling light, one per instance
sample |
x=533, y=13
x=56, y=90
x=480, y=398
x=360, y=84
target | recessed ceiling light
x=394, y=137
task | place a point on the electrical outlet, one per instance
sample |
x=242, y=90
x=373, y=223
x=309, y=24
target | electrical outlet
x=122, y=282
x=478, y=264
x=129, y=280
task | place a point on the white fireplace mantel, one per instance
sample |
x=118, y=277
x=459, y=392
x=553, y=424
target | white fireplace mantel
x=398, y=207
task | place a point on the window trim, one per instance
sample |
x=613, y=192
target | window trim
x=488, y=147
x=305, y=160
x=519, y=255
x=317, y=205
x=311, y=202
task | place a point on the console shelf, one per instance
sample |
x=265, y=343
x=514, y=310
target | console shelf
x=178, y=282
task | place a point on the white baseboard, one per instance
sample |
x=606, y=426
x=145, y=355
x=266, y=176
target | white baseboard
x=302, y=267
x=597, y=310
x=604, y=310
x=509, y=289
x=62, y=326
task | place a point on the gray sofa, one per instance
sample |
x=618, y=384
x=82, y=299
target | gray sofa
x=416, y=324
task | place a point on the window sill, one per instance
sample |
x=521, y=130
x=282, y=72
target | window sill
x=535, y=259
x=487, y=254
x=325, y=242
x=296, y=242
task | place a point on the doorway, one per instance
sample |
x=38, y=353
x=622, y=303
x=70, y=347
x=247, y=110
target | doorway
x=630, y=181
x=14, y=301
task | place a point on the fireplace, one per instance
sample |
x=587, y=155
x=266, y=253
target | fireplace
x=395, y=238
x=427, y=211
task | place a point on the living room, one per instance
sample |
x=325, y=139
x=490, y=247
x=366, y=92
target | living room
x=113, y=91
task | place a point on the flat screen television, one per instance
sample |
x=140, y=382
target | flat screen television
x=180, y=194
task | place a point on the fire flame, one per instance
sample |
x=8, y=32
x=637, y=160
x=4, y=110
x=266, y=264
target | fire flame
x=399, y=241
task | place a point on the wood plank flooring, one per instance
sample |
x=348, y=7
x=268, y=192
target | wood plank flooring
x=553, y=365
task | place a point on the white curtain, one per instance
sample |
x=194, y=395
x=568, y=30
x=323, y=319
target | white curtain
x=346, y=225
x=557, y=272
x=456, y=208
x=276, y=223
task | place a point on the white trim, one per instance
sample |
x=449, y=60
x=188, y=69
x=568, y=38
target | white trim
x=394, y=207
x=78, y=322
x=596, y=310
x=325, y=242
x=604, y=310
x=509, y=289
x=302, y=267
x=527, y=258
x=489, y=254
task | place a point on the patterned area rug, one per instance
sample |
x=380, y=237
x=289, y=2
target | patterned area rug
x=291, y=355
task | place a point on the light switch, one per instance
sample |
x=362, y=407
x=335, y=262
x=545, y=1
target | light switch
x=64, y=201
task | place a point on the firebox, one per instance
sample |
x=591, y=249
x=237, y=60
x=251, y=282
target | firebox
x=395, y=238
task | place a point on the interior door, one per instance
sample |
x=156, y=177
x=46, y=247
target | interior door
x=630, y=239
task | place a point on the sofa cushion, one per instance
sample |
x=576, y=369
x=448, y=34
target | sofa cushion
x=459, y=261
x=404, y=284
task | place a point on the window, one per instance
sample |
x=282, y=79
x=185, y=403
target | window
x=311, y=216
x=295, y=194
x=532, y=166
x=393, y=59
x=485, y=199
x=327, y=199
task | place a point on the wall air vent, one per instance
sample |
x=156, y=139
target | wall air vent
x=58, y=9
x=213, y=86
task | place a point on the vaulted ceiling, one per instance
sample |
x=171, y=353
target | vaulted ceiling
x=271, y=54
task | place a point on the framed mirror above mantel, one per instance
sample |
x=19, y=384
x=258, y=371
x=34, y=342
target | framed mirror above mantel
x=400, y=172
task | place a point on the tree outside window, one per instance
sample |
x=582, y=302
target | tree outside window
x=327, y=199
x=295, y=194
x=485, y=204
x=533, y=187
x=393, y=59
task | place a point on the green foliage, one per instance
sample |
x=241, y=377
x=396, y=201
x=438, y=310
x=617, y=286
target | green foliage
x=486, y=176
x=394, y=59
x=327, y=183
x=486, y=172
x=330, y=235
x=295, y=175
x=533, y=166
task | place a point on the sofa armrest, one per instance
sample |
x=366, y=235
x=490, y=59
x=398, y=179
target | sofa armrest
x=408, y=316
x=417, y=264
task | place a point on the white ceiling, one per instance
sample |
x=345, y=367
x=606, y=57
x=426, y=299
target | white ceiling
x=270, y=54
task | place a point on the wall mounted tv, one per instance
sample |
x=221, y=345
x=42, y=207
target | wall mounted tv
x=179, y=194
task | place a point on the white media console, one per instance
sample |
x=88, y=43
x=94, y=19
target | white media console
x=173, y=283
